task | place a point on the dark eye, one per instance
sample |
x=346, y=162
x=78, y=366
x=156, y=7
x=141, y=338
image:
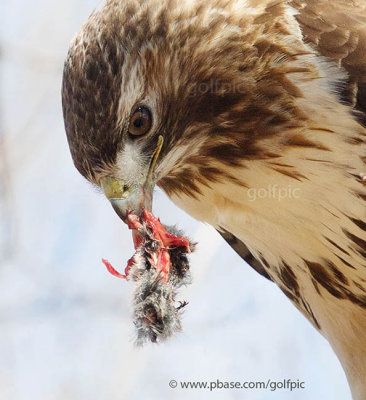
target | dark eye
x=140, y=122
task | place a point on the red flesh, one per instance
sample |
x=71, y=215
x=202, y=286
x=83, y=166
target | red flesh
x=161, y=262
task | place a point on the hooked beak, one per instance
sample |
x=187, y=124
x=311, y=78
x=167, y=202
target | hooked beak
x=126, y=200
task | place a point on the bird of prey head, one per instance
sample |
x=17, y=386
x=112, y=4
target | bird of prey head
x=140, y=71
x=248, y=114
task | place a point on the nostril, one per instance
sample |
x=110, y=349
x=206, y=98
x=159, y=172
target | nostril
x=114, y=188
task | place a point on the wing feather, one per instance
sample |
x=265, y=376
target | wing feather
x=244, y=252
x=337, y=29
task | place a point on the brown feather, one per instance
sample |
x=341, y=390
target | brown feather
x=247, y=98
x=337, y=29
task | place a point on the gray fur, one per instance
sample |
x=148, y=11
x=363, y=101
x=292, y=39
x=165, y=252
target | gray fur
x=156, y=313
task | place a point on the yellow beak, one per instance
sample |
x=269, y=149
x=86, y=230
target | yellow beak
x=126, y=200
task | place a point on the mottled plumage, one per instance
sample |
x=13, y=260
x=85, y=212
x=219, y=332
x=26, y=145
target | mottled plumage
x=246, y=94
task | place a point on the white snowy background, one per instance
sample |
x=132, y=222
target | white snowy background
x=65, y=326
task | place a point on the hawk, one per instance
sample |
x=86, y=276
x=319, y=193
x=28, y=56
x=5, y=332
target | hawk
x=250, y=115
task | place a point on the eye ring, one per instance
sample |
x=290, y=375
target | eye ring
x=140, y=122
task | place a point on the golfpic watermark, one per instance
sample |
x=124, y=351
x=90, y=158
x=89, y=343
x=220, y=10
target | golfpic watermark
x=218, y=87
x=274, y=192
x=270, y=385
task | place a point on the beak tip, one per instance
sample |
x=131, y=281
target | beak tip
x=120, y=207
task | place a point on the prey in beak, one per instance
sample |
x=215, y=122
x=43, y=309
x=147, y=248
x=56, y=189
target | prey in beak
x=160, y=264
x=125, y=200
x=134, y=208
